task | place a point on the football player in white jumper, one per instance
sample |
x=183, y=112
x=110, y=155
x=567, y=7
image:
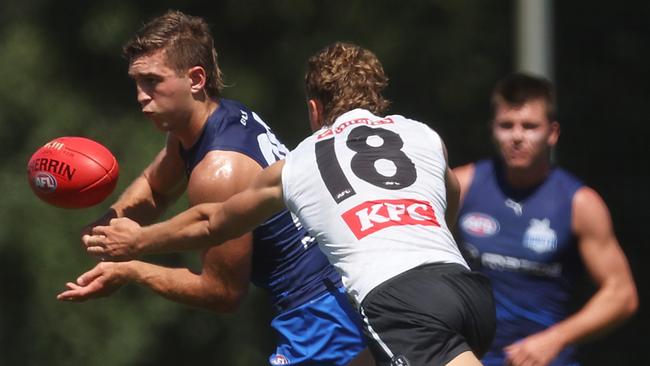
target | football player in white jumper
x=377, y=194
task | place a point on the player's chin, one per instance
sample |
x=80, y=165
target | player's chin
x=159, y=123
x=517, y=162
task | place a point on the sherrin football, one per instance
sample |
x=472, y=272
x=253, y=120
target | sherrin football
x=72, y=172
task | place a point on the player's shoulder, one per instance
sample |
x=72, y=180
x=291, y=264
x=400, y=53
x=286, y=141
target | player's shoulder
x=220, y=174
x=234, y=113
x=590, y=213
x=587, y=198
x=464, y=174
x=564, y=181
x=412, y=123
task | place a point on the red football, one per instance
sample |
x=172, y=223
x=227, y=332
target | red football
x=72, y=172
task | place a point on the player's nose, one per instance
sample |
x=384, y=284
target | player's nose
x=517, y=134
x=143, y=97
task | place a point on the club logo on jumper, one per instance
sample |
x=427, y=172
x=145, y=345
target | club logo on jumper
x=372, y=216
x=399, y=360
x=45, y=182
x=539, y=236
x=279, y=360
x=479, y=224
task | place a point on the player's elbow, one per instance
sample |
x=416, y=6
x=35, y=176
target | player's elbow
x=226, y=304
x=631, y=301
x=625, y=294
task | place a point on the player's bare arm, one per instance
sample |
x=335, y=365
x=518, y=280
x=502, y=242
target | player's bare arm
x=200, y=227
x=225, y=274
x=223, y=281
x=464, y=174
x=452, y=189
x=615, y=300
x=159, y=185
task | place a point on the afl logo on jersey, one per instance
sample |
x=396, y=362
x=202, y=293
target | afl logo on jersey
x=479, y=224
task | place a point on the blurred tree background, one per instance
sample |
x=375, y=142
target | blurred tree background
x=61, y=74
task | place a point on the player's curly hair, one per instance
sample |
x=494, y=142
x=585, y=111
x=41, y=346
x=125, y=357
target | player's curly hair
x=187, y=43
x=519, y=88
x=344, y=76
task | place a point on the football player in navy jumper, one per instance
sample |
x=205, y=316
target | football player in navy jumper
x=532, y=228
x=214, y=148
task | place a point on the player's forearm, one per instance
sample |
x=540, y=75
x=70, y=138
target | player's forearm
x=183, y=286
x=207, y=225
x=140, y=203
x=613, y=303
x=189, y=230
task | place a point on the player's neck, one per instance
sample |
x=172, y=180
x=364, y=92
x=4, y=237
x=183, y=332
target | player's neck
x=197, y=118
x=522, y=178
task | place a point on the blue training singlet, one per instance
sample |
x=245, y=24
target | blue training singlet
x=286, y=260
x=523, y=241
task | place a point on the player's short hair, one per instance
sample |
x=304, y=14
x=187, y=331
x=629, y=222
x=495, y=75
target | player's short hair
x=518, y=88
x=344, y=76
x=187, y=42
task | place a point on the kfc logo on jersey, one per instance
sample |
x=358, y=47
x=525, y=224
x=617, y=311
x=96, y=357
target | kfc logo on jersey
x=479, y=225
x=372, y=216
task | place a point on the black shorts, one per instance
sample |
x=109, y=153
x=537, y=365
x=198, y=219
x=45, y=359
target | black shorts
x=429, y=315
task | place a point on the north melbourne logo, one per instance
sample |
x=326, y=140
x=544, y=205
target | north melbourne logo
x=540, y=237
x=372, y=216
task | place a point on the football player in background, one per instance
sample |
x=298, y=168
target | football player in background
x=532, y=228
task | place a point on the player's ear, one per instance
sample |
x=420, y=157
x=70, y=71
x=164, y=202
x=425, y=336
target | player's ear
x=555, y=133
x=197, y=78
x=315, y=108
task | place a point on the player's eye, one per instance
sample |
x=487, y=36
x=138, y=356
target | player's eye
x=147, y=82
x=150, y=81
x=504, y=125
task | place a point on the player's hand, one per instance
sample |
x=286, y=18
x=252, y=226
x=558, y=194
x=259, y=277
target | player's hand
x=117, y=241
x=100, y=281
x=104, y=220
x=536, y=350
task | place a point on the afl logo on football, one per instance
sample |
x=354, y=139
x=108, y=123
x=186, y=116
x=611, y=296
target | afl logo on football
x=45, y=182
x=479, y=225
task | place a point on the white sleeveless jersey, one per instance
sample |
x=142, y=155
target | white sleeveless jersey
x=371, y=190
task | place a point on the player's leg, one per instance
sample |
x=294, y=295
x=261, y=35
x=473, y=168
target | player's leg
x=465, y=359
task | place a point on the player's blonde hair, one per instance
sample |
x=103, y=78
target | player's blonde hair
x=187, y=43
x=344, y=76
